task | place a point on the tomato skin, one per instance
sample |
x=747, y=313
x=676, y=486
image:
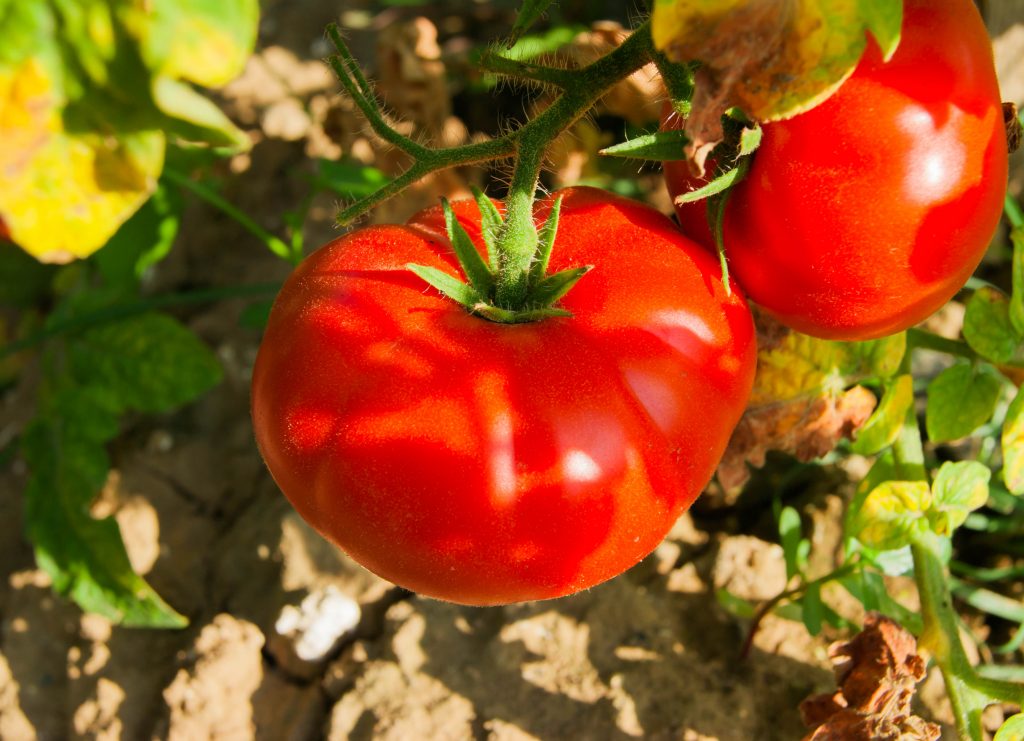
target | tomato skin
x=485, y=463
x=863, y=216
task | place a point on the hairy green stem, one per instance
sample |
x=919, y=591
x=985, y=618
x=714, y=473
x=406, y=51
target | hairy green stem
x=969, y=693
x=517, y=243
x=275, y=244
x=930, y=341
x=538, y=73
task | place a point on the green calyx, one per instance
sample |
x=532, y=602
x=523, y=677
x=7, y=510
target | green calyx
x=479, y=291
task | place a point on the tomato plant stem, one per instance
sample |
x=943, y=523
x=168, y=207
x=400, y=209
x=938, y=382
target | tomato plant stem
x=517, y=244
x=275, y=244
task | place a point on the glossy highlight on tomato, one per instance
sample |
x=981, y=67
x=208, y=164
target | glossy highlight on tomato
x=487, y=463
x=863, y=216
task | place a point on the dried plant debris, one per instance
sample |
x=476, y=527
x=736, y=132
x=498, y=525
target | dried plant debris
x=877, y=672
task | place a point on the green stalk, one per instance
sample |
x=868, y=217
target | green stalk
x=274, y=244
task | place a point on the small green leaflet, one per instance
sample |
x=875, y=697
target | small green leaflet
x=959, y=489
x=143, y=363
x=961, y=399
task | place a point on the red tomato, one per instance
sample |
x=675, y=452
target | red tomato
x=863, y=216
x=487, y=463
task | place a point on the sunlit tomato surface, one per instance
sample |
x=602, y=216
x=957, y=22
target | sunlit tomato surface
x=484, y=463
x=866, y=214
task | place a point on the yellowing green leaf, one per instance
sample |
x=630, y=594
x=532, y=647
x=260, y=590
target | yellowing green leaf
x=63, y=194
x=890, y=515
x=90, y=90
x=882, y=429
x=772, y=60
x=1013, y=445
x=202, y=41
x=959, y=489
x=1012, y=729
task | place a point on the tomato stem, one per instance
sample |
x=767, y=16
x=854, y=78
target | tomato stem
x=518, y=247
x=968, y=691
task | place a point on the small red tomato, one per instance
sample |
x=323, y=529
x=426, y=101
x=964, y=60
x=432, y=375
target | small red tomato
x=488, y=463
x=863, y=216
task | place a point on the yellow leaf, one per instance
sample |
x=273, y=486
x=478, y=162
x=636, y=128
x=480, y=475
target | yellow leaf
x=64, y=194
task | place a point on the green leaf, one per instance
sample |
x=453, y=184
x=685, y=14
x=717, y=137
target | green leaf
x=790, y=534
x=546, y=42
x=988, y=327
x=961, y=399
x=880, y=358
x=151, y=361
x=196, y=40
x=142, y=241
x=1012, y=729
x=663, y=146
x=1013, y=445
x=959, y=489
x=348, y=179
x=84, y=557
x=529, y=13
x=813, y=608
x=800, y=63
x=892, y=514
x=883, y=19
x=883, y=427
x=448, y=285
x=194, y=117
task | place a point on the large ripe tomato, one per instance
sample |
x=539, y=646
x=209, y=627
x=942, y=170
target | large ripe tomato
x=866, y=214
x=488, y=463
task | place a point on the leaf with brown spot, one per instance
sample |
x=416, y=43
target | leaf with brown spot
x=771, y=58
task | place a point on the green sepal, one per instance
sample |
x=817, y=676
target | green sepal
x=545, y=244
x=507, y=316
x=490, y=223
x=451, y=287
x=663, y=146
x=473, y=265
x=721, y=183
x=553, y=287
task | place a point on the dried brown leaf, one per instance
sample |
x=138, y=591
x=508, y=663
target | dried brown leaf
x=877, y=672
